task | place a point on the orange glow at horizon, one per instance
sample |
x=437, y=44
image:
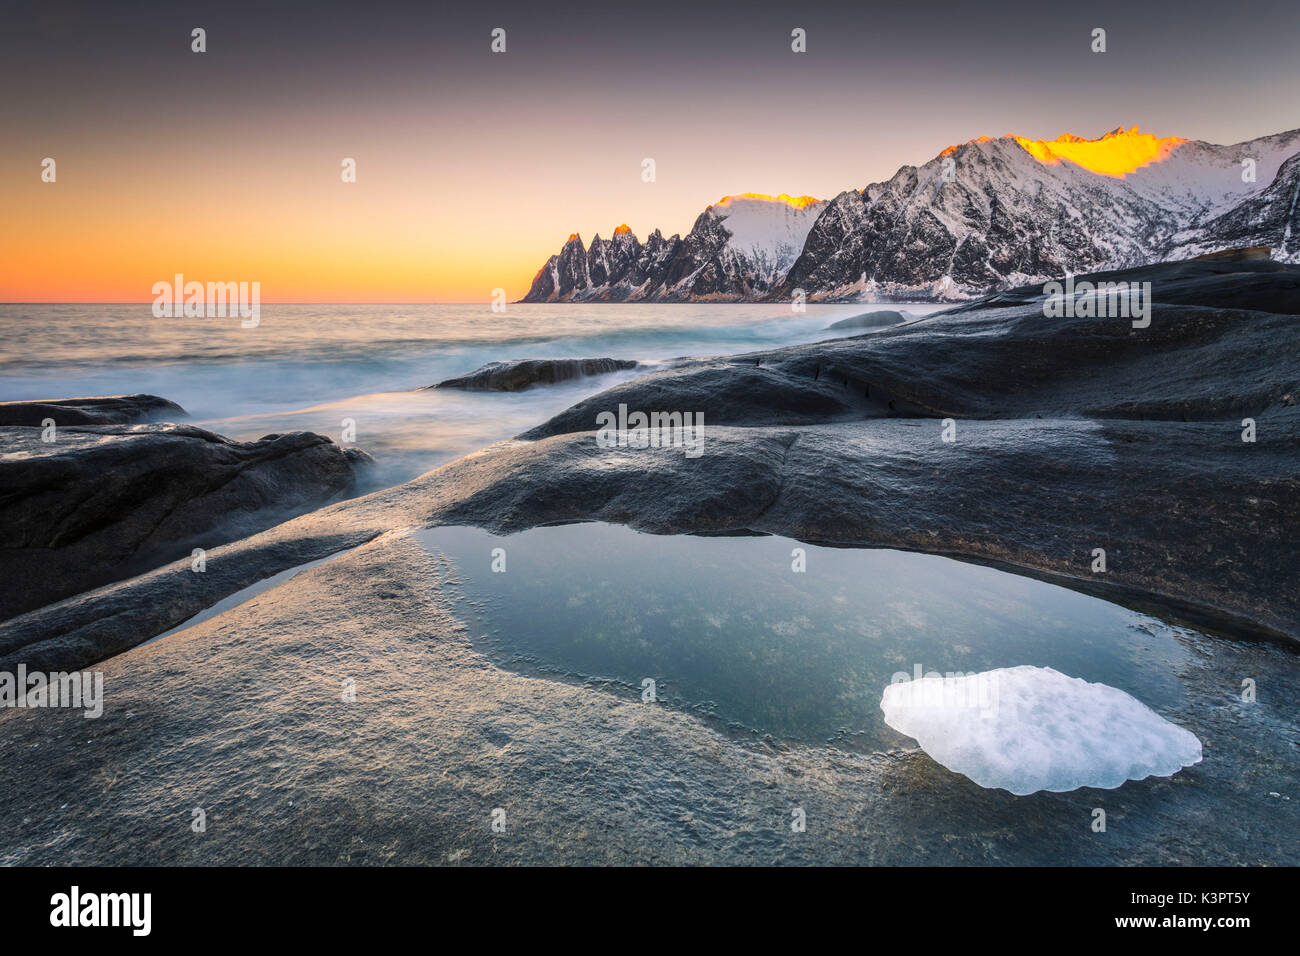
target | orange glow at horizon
x=116, y=222
x=418, y=226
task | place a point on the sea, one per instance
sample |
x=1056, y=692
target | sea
x=360, y=372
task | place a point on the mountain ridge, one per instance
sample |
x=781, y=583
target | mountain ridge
x=979, y=217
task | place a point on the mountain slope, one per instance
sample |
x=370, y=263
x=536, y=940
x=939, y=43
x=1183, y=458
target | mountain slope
x=1013, y=211
x=738, y=248
x=981, y=216
x=1271, y=219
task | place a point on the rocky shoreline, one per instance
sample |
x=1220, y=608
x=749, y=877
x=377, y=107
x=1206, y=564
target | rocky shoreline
x=97, y=410
x=90, y=498
x=242, y=716
x=519, y=374
x=1069, y=435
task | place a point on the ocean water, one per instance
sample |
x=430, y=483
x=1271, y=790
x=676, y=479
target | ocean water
x=310, y=367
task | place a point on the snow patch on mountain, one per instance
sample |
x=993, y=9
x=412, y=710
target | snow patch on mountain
x=768, y=232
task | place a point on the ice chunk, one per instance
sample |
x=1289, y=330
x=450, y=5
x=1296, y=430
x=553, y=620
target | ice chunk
x=1026, y=729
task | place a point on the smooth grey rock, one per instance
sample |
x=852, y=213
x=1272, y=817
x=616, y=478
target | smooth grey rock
x=1001, y=357
x=242, y=714
x=103, y=502
x=99, y=410
x=871, y=320
x=519, y=374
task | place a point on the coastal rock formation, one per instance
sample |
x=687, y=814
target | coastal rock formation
x=1209, y=353
x=519, y=374
x=871, y=320
x=241, y=714
x=1070, y=435
x=100, y=410
x=99, y=503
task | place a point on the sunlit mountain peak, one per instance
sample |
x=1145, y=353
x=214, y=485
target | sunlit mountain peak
x=1117, y=153
x=798, y=202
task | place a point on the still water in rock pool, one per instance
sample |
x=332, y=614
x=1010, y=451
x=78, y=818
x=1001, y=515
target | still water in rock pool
x=727, y=629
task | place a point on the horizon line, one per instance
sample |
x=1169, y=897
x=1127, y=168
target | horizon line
x=484, y=302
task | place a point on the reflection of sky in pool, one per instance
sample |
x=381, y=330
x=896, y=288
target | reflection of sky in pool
x=725, y=626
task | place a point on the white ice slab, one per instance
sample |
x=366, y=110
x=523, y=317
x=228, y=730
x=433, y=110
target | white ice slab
x=1026, y=729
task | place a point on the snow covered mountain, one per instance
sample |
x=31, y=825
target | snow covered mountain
x=996, y=213
x=739, y=248
x=983, y=215
x=1271, y=218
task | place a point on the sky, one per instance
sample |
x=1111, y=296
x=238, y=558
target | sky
x=472, y=167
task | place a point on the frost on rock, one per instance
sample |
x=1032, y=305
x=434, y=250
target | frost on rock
x=1026, y=729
